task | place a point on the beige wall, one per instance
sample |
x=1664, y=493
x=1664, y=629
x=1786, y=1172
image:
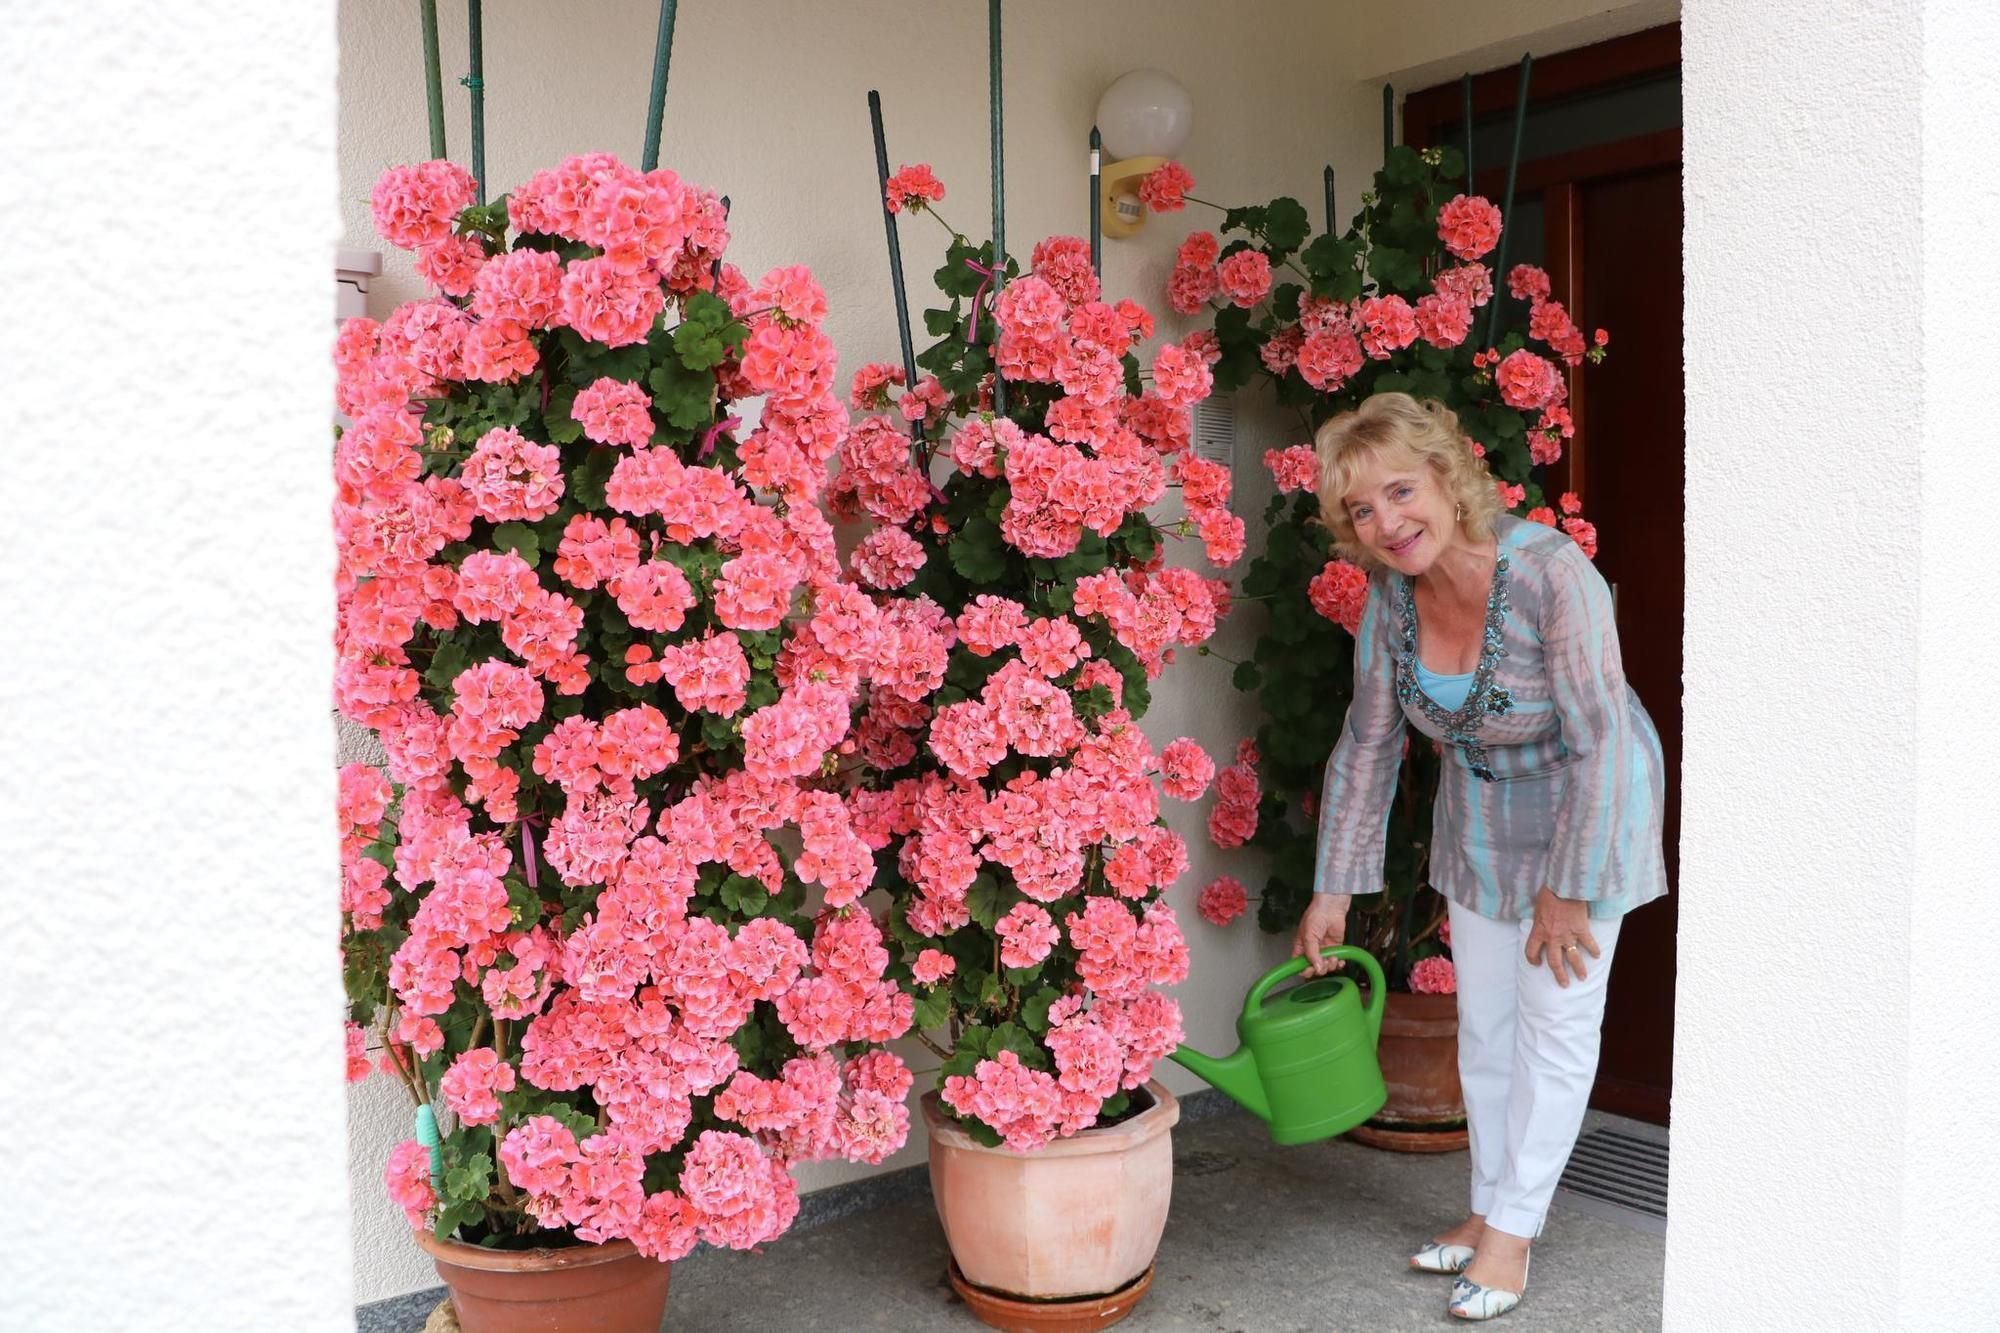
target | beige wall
x=771, y=110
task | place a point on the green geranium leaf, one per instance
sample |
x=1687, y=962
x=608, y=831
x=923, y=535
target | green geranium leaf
x=1285, y=227
x=684, y=396
x=933, y=1008
x=446, y=663
x=521, y=540
x=984, y=900
x=560, y=426
x=588, y=480
x=993, y=995
x=1250, y=218
x=976, y=551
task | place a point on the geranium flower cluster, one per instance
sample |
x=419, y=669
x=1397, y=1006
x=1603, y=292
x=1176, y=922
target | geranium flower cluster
x=608, y=648
x=1015, y=805
x=1403, y=298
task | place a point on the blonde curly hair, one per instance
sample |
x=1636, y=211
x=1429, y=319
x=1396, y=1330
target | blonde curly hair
x=1398, y=427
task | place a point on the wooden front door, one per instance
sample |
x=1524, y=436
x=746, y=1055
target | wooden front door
x=1598, y=204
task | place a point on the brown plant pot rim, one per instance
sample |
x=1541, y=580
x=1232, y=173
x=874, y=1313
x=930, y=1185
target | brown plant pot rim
x=523, y=1261
x=1074, y=1314
x=1391, y=1139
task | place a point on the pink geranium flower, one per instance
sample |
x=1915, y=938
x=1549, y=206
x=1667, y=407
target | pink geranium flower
x=1164, y=190
x=1433, y=976
x=1223, y=899
x=1469, y=226
x=913, y=187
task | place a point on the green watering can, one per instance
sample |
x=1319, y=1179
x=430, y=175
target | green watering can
x=1307, y=1062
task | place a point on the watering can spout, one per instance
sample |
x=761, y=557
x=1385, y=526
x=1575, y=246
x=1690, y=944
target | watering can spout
x=1234, y=1074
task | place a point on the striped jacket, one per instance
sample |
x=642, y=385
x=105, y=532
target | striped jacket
x=1552, y=771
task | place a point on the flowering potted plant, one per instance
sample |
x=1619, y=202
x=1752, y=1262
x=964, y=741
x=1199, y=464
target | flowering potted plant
x=1393, y=303
x=607, y=677
x=1009, y=790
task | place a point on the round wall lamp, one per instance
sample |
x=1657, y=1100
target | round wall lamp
x=1144, y=117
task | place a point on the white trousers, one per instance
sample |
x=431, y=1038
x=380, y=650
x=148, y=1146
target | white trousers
x=1527, y=1055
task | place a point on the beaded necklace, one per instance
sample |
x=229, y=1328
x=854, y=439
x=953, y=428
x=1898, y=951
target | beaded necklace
x=1484, y=699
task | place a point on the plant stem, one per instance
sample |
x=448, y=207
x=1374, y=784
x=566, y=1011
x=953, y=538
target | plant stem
x=933, y=1047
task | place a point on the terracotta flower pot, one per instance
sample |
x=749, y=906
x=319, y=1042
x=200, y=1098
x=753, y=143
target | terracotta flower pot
x=609, y=1288
x=1419, y=1058
x=1078, y=1219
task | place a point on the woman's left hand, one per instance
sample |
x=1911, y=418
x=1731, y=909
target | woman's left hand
x=1561, y=936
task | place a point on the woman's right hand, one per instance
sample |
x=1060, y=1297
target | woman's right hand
x=1323, y=926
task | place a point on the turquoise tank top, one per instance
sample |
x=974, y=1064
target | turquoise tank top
x=1448, y=691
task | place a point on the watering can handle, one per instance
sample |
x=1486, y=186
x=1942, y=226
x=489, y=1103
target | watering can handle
x=1378, y=989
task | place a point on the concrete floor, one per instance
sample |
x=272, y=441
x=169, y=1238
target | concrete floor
x=1261, y=1239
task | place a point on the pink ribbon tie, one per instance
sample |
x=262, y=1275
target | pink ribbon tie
x=708, y=436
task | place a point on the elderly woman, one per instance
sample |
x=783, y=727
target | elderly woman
x=1494, y=638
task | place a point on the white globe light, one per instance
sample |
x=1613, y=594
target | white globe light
x=1144, y=114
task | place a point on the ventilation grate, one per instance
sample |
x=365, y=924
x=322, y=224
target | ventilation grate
x=1619, y=1175
x=1215, y=431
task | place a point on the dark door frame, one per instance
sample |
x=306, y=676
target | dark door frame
x=1429, y=112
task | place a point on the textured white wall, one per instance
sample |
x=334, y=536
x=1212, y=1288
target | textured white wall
x=1834, y=1086
x=1952, y=1101
x=172, y=1081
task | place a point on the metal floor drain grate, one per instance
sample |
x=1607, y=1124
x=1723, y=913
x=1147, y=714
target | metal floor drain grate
x=1621, y=1176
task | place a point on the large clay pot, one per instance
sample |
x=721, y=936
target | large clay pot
x=1076, y=1220
x=609, y=1288
x=1419, y=1058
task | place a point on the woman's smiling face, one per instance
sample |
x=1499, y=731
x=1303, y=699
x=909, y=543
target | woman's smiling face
x=1401, y=512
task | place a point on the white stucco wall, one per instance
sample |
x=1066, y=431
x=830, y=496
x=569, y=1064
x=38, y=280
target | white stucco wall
x=172, y=1077
x=1952, y=1097
x=1835, y=1090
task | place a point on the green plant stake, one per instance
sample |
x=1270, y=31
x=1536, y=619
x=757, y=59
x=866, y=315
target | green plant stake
x=1096, y=202
x=656, y=105
x=895, y=248
x=999, y=182
x=1507, y=204
x=1326, y=178
x=427, y=11
x=1307, y=1063
x=1465, y=94
x=475, y=83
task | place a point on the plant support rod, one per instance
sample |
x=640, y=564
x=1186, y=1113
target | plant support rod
x=895, y=248
x=1507, y=204
x=475, y=82
x=656, y=104
x=1465, y=95
x=1096, y=203
x=999, y=187
x=427, y=11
